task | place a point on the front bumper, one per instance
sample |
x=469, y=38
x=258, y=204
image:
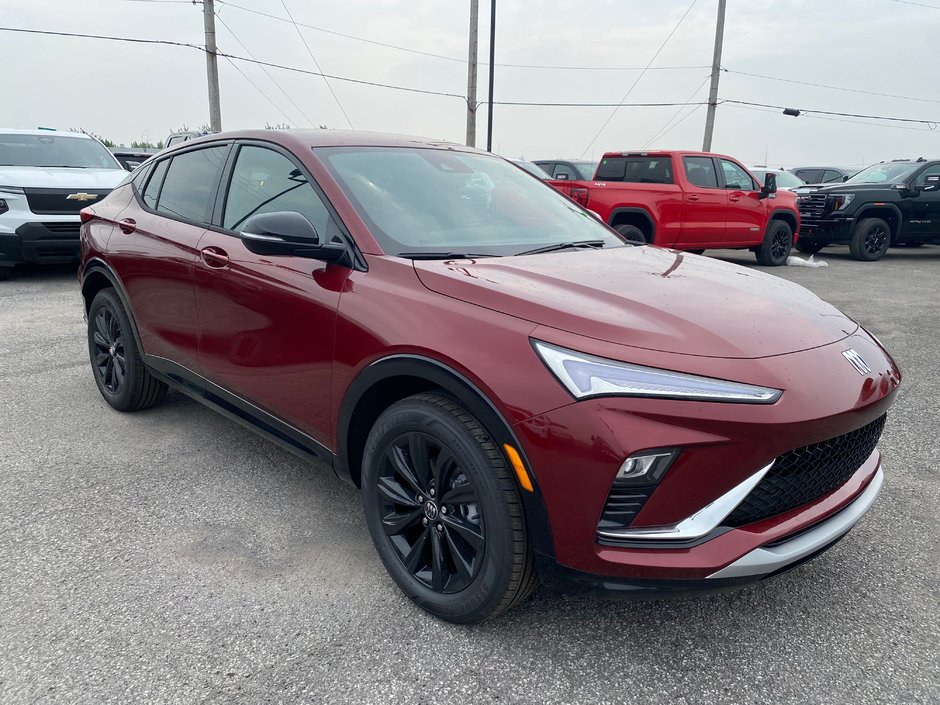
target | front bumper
x=832, y=229
x=44, y=242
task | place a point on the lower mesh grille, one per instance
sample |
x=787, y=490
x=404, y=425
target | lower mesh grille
x=807, y=473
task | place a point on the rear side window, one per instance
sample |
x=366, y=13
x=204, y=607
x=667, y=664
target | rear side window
x=810, y=176
x=265, y=181
x=831, y=177
x=189, y=183
x=563, y=171
x=152, y=190
x=700, y=171
x=636, y=170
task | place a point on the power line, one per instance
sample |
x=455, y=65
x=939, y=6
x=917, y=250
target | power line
x=684, y=118
x=835, y=119
x=592, y=105
x=932, y=124
x=316, y=63
x=266, y=72
x=200, y=47
x=638, y=78
x=456, y=59
x=834, y=88
x=263, y=94
x=918, y=4
x=676, y=114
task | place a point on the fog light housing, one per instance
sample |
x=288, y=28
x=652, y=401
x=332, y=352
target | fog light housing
x=3, y=206
x=646, y=467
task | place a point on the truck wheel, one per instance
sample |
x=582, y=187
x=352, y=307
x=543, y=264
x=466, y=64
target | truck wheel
x=631, y=233
x=808, y=247
x=5, y=273
x=870, y=240
x=778, y=241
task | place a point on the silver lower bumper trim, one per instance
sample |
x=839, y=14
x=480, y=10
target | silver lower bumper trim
x=769, y=559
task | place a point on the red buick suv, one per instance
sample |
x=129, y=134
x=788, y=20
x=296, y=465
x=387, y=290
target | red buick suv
x=517, y=391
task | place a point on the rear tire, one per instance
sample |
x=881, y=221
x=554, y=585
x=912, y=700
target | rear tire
x=632, y=233
x=808, y=247
x=122, y=378
x=444, y=511
x=778, y=241
x=870, y=240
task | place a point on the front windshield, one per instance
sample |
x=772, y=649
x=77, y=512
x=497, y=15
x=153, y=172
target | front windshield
x=54, y=150
x=442, y=201
x=888, y=173
x=586, y=169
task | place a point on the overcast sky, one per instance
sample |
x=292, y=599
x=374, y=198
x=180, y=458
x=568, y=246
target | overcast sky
x=137, y=91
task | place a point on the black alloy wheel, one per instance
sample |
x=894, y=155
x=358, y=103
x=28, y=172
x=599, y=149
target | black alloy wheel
x=110, y=357
x=776, y=246
x=444, y=510
x=870, y=240
x=431, y=512
x=120, y=374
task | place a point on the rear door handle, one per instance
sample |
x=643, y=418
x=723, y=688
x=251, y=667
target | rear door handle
x=127, y=225
x=215, y=257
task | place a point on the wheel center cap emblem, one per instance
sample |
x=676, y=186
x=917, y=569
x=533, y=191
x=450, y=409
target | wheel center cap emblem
x=430, y=510
x=112, y=348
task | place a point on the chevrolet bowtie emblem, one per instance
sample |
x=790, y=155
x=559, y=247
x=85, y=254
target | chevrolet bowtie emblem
x=81, y=196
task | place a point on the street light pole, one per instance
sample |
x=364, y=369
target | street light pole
x=489, y=124
x=716, y=72
x=212, y=66
x=472, y=74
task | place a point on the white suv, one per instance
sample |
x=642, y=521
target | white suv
x=46, y=178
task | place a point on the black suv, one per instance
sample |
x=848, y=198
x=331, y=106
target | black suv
x=891, y=203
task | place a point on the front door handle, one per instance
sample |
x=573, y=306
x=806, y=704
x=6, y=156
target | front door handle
x=693, y=197
x=127, y=225
x=215, y=257
x=734, y=199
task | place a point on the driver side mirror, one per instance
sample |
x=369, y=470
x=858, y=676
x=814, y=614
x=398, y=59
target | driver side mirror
x=770, y=185
x=288, y=233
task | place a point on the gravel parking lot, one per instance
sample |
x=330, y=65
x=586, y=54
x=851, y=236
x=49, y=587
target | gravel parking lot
x=171, y=557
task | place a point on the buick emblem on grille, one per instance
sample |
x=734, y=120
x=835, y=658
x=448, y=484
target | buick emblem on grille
x=81, y=196
x=857, y=361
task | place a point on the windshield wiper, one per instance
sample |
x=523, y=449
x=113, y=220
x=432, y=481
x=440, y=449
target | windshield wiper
x=575, y=245
x=444, y=255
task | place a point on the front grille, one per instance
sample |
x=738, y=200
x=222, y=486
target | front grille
x=812, y=207
x=807, y=473
x=623, y=504
x=61, y=230
x=55, y=201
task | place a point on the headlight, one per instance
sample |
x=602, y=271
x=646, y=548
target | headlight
x=841, y=201
x=588, y=376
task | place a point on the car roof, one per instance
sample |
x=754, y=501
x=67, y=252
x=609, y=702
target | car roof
x=337, y=138
x=45, y=133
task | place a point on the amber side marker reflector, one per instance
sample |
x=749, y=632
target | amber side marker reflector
x=518, y=466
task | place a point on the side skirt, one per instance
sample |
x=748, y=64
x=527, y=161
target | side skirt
x=239, y=410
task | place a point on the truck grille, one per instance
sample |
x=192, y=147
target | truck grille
x=55, y=201
x=812, y=206
x=61, y=231
x=808, y=473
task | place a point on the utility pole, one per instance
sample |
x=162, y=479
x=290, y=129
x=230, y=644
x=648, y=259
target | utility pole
x=472, y=74
x=716, y=72
x=489, y=124
x=212, y=67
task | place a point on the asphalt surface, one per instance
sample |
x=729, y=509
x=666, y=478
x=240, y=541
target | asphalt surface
x=171, y=557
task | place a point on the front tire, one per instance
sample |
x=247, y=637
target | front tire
x=870, y=240
x=444, y=512
x=122, y=378
x=5, y=273
x=778, y=241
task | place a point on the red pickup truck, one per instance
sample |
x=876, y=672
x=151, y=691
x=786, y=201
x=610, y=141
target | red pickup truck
x=690, y=201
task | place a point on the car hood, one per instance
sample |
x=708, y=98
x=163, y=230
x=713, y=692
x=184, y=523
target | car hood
x=60, y=177
x=648, y=298
x=843, y=187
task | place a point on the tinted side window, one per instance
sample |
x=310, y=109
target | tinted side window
x=264, y=181
x=700, y=171
x=190, y=179
x=929, y=178
x=564, y=172
x=152, y=190
x=831, y=177
x=637, y=170
x=736, y=177
x=810, y=176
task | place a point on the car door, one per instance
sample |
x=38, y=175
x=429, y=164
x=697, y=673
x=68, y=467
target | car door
x=267, y=323
x=810, y=176
x=154, y=249
x=922, y=216
x=704, y=203
x=745, y=214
